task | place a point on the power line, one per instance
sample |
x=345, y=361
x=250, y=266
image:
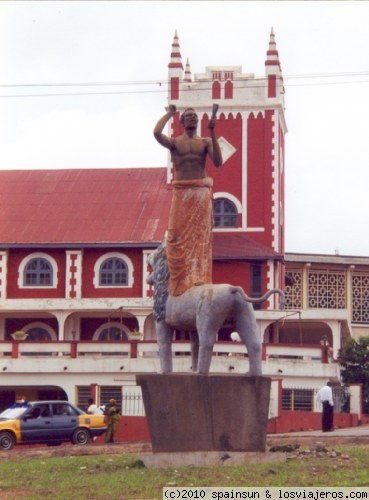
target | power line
x=164, y=84
x=84, y=93
x=328, y=75
x=80, y=84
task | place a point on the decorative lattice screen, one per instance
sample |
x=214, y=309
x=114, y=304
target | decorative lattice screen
x=326, y=289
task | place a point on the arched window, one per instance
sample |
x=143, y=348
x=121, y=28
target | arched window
x=38, y=331
x=38, y=334
x=113, y=272
x=225, y=213
x=113, y=269
x=38, y=272
x=112, y=331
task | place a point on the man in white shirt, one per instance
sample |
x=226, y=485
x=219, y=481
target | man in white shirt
x=93, y=409
x=325, y=397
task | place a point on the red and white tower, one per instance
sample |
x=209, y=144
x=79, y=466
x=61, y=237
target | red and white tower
x=251, y=128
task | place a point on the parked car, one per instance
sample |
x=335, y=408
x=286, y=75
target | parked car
x=48, y=422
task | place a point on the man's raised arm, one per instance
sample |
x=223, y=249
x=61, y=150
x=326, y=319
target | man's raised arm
x=215, y=152
x=163, y=139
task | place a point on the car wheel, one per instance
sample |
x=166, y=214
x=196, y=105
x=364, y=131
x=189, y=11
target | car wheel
x=80, y=436
x=7, y=441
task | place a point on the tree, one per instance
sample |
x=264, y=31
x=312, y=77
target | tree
x=354, y=361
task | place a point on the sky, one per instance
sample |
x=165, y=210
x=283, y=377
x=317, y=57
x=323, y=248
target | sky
x=82, y=85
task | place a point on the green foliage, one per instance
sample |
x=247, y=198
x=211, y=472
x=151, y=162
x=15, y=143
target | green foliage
x=354, y=361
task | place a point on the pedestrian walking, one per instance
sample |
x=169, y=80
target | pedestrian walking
x=325, y=397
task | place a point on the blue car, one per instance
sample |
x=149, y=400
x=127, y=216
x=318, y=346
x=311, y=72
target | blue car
x=48, y=422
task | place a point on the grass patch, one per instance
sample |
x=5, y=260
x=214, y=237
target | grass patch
x=123, y=477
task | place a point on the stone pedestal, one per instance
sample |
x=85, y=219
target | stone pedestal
x=191, y=412
x=210, y=458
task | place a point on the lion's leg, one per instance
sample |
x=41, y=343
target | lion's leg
x=207, y=328
x=164, y=334
x=207, y=340
x=194, y=350
x=245, y=323
x=209, y=319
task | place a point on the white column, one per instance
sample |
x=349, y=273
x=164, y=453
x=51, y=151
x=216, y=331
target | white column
x=355, y=399
x=61, y=317
x=245, y=116
x=274, y=395
x=145, y=287
x=141, y=322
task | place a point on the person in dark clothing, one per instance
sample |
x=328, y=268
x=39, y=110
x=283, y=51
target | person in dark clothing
x=325, y=397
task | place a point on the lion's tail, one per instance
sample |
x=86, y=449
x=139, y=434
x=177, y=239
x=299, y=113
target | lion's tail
x=258, y=300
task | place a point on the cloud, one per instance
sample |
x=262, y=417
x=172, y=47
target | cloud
x=75, y=138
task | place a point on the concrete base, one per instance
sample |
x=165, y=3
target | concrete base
x=209, y=458
x=191, y=412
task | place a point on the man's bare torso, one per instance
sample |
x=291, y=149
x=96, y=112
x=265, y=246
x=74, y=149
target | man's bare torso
x=189, y=157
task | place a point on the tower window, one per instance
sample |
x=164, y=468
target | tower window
x=255, y=280
x=255, y=271
x=225, y=213
x=216, y=90
x=228, y=90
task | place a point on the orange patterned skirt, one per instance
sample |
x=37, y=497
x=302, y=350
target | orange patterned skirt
x=189, y=239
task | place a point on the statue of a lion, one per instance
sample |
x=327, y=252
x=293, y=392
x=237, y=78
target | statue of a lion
x=202, y=309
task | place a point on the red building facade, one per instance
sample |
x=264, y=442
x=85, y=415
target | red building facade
x=74, y=247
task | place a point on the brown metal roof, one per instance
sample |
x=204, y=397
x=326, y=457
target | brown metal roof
x=87, y=206
x=82, y=207
x=233, y=246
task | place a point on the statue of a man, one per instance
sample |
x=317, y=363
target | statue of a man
x=189, y=238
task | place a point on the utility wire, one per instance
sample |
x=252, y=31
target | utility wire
x=189, y=85
x=79, y=84
x=166, y=82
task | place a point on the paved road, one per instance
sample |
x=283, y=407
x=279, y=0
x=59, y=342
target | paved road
x=361, y=430
x=347, y=435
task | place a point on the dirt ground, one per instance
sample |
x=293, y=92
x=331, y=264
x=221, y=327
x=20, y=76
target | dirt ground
x=68, y=450
x=329, y=440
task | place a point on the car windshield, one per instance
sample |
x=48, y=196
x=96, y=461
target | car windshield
x=11, y=413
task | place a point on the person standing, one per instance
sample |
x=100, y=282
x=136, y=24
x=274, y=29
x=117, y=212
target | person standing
x=113, y=417
x=93, y=409
x=189, y=238
x=325, y=397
